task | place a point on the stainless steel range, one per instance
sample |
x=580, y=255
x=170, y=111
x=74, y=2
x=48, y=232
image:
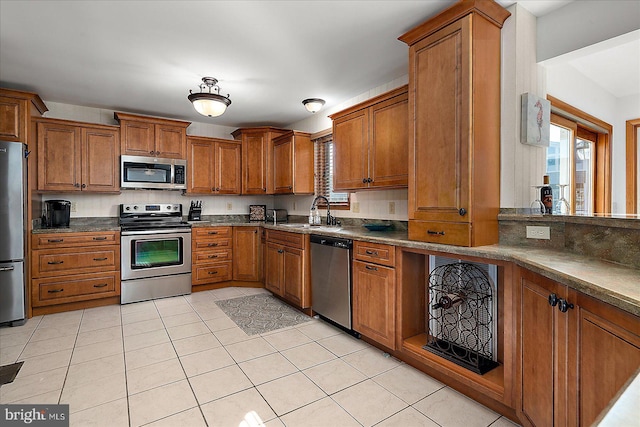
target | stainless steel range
x=155, y=252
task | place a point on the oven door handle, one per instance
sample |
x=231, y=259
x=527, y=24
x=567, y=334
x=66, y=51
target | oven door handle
x=156, y=231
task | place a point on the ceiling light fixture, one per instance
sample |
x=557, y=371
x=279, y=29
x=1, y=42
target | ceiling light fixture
x=210, y=103
x=313, y=105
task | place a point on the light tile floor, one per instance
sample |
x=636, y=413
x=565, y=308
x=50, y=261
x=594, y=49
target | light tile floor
x=182, y=362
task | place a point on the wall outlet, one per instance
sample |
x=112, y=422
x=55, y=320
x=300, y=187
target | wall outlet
x=355, y=207
x=537, y=232
x=74, y=207
x=229, y=206
x=392, y=207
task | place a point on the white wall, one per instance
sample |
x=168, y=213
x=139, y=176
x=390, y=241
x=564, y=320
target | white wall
x=521, y=166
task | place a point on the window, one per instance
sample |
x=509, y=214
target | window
x=578, y=161
x=323, y=172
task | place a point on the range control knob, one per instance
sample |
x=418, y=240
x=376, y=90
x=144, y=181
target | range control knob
x=169, y=207
x=135, y=208
x=128, y=208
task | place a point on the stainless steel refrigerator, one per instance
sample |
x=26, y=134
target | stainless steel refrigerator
x=13, y=178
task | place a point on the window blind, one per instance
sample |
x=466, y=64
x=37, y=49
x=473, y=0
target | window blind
x=323, y=171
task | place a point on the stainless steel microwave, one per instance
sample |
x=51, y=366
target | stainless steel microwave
x=153, y=173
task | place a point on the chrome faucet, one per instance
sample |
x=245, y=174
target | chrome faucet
x=330, y=220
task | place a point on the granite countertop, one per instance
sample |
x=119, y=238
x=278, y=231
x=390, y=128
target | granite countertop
x=615, y=284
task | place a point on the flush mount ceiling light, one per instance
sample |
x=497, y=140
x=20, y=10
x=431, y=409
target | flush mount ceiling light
x=209, y=103
x=313, y=105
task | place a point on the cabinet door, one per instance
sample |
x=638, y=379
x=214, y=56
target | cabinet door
x=13, y=116
x=254, y=167
x=283, y=166
x=100, y=160
x=543, y=343
x=200, y=166
x=227, y=167
x=608, y=346
x=388, y=150
x=439, y=152
x=247, y=262
x=170, y=141
x=374, y=289
x=294, y=275
x=350, y=151
x=274, y=268
x=59, y=157
x=137, y=138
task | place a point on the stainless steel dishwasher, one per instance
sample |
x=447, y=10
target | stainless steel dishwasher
x=331, y=278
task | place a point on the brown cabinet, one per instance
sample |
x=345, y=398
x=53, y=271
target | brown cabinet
x=257, y=158
x=16, y=107
x=211, y=255
x=575, y=353
x=247, y=263
x=75, y=156
x=287, y=267
x=214, y=166
x=454, y=124
x=374, y=292
x=370, y=143
x=74, y=267
x=152, y=136
x=293, y=163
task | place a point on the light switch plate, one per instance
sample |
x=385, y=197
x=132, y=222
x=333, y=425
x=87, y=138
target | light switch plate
x=229, y=206
x=392, y=207
x=355, y=207
x=538, y=232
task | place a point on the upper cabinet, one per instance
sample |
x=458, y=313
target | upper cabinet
x=213, y=166
x=370, y=143
x=257, y=158
x=75, y=156
x=293, y=163
x=16, y=107
x=152, y=137
x=454, y=124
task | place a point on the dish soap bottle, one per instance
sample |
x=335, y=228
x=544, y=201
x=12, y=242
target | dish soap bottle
x=316, y=217
x=546, y=196
x=312, y=216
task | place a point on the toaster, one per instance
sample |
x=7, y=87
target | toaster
x=280, y=215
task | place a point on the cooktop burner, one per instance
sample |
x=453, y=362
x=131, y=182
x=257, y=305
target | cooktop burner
x=151, y=216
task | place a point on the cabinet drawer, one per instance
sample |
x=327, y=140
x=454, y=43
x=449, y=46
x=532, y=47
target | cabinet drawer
x=211, y=232
x=211, y=273
x=293, y=240
x=374, y=252
x=198, y=245
x=207, y=257
x=70, y=240
x=53, y=262
x=79, y=287
x=448, y=233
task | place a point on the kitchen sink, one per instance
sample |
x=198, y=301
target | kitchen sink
x=292, y=225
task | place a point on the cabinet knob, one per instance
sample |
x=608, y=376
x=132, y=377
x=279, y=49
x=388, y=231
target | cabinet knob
x=157, y=153
x=217, y=188
x=152, y=152
x=553, y=300
x=564, y=306
x=84, y=185
x=264, y=189
x=55, y=291
x=100, y=286
x=370, y=267
x=280, y=251
x=77, y=185
x=364, y=180
x=435, y=233
x=290, y=188
x=369, y=180
x=462, y=211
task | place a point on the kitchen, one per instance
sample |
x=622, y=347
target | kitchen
x=374, y=204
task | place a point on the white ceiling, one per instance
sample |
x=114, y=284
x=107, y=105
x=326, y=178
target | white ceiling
x=144, y=56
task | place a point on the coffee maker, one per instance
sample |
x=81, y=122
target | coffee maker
x=56, y=213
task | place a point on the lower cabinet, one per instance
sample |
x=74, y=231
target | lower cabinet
x=374, y=292
x=73, y=268
x=287, y=271
x=211, y=255
x=247, y=263
x=575, y=353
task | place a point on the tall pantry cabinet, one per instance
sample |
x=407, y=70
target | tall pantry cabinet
x=454, y=125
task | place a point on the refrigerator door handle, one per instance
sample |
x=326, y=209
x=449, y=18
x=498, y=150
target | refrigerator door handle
x=6, y=268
